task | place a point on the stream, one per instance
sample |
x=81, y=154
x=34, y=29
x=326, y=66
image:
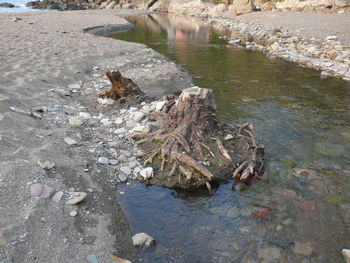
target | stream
x=300, y=211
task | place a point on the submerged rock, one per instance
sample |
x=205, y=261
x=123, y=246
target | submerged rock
x=143, y=240
x=269, y=254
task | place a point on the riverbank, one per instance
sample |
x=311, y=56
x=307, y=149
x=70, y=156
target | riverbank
x=315, y=40
x=302, y=38
x=50, y=63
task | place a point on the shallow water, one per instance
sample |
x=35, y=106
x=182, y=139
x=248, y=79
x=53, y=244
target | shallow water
x=303, y=121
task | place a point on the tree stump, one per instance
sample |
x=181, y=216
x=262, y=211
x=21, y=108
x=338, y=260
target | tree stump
x=190, y=148
x=121, y=87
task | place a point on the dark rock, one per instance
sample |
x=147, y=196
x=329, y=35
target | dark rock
x=7, y=5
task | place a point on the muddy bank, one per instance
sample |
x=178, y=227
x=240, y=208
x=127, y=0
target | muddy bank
x=54, y=64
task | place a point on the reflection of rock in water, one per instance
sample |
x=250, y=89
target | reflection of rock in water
x=177, y=27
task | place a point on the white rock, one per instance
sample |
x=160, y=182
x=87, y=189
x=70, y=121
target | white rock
x=133, y=164
x=103, y=160
x=138, y=116
x=76, y=198
x=234, y=41
x=138, y=128
x=147, y=173
x=131, y=124
x=331, y=38
x=70, y=141
x=57, y=196
x=120, y=131
x=119, y=121
x=85, y=115
x=73, y=213
x=346, y=255
x=105, y=101
x=160, y=105
x=143, y=240
x=74, y=86
x=122, y=177
x=75, y=121
x=106, y=122
x=126, y=170
x=228, y=137
x=113, y=162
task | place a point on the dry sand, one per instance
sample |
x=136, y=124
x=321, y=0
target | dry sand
x=40, y=56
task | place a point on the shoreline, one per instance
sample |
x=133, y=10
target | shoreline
x=52, y=60
x=55, y=66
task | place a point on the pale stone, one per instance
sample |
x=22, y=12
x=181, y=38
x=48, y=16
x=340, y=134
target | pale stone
x=70, y=141
x=75, y=121
x=76, y=198
x=103, y=160
x=57, y=196
x=74, y=86
x=126, y=170
x=138, y=116
x=143, y=240
x=147, y=173
x=85, y=115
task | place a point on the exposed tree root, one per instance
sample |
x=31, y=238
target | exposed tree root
x=189, y=136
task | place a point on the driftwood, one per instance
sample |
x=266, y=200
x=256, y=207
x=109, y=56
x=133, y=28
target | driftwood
x=121, y=87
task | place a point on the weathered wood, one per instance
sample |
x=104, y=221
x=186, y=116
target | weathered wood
x=184, y=127
x=121, y=87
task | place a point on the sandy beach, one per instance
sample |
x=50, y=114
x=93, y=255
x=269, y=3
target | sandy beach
x=50, y=60
x=41, y=55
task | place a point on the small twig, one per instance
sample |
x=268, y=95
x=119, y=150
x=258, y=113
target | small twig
x=208, y=149
x=239, y=169
x=222, y=149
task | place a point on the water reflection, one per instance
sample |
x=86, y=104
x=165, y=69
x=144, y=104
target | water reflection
x=300, y=211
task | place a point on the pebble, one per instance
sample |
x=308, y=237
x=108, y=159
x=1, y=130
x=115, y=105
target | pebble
x=147, y=173
x=234, y=41
x=92, y=258
x=228, y=137
x=131, y=124
x=118, y=121
x=43, y=220
x=143, y=240
x=70, y=141
x=103, y=160
x=41, y=190
x=126, y=170
x=73, y=213
x=122, y=177
x=304, y=249
x=57, y=196
x=138, y=116
x=106, y=122
x=120, y=131
x=76, y=198
x=75, y=121
x=331, y=38
x=74, y=86
x=269, y=254
x=105, y=101
x=47, y=165
x=85, y=115
x=113, y=162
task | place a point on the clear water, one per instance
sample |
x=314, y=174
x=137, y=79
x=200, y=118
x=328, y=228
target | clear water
x=20, y=7
x=304, y=122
